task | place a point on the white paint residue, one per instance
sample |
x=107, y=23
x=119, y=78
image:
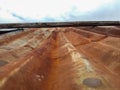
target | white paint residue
x=76, y=56
x=40, y=77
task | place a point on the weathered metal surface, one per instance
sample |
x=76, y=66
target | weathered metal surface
x=60, y=24
x=60, y=59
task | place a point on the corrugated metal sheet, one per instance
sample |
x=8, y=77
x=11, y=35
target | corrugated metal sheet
x=79, y=58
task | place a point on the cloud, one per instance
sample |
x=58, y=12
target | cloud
x=6, y=17
x=59, y=10
x=107, y=12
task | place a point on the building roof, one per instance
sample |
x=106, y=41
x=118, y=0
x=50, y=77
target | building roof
x=61, y=58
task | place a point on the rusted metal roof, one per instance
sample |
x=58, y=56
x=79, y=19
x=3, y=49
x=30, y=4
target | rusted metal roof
x=66, y=58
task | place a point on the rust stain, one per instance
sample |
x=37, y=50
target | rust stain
x=60, y=59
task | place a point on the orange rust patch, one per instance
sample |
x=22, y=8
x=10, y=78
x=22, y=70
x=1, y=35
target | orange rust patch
x=60, y=59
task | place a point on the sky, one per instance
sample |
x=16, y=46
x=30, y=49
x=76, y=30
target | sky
x=19, y=11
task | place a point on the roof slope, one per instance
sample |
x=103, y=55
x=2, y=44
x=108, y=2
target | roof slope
x=60, y=59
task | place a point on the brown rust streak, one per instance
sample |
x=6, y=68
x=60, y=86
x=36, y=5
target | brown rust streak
x=28, y=72
x=57, y=64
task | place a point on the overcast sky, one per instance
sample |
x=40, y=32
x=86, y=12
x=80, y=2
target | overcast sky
x=14, y=11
